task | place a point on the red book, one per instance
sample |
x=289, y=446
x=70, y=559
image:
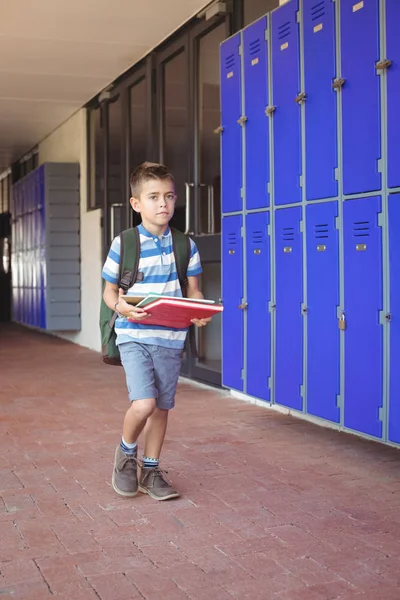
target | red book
x=177, y=313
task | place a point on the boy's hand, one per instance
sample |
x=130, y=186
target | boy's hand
x=130, y=311
x=201, y=322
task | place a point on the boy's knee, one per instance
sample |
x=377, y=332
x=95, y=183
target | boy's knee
x=143, y=409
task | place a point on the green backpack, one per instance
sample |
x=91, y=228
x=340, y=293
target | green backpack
x=128, y=271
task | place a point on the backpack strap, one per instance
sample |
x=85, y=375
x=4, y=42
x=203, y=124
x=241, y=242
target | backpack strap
x=182, y=249
x=129, y=258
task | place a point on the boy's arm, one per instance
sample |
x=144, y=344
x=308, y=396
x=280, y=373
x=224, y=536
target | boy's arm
x=192, y=291
x=112, y=297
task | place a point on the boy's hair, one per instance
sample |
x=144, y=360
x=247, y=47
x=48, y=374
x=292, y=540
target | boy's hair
x=145, y=172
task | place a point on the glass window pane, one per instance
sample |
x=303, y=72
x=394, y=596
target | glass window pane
x=138, y=123
x=96, y=158
x=176, y=130
x=6, y=195
x=209, y=120
x=254, y=9
x=116, y=195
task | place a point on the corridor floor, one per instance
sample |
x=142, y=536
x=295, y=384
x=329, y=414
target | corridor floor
x=272, y=507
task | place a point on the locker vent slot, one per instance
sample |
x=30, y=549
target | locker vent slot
x=288, y=234
x=284, y=31
x=229, y=62
x=361, y=229
x=257, y=237
x=254, y=47
x=318, y=10
x=232, y=239
x=321, y=231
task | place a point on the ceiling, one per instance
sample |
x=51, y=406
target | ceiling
x=55, y=56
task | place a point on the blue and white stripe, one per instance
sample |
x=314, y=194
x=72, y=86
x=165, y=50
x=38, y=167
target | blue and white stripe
x=157, y=263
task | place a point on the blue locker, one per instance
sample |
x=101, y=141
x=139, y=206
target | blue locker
x=289, y=298
x=231, y=138
x=361, y=96
x=257, y=125
x=394, y=261
x=363, y=301
x=320, y=106
x=258, y=296
x=393, y=91
x=323, y=342
x=232, y=294
x=285, y=88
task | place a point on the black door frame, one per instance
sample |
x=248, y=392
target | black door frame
x=210, y=245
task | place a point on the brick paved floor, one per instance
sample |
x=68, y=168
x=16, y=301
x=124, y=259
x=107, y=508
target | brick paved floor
x=271, y=507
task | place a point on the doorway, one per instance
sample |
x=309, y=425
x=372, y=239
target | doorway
x=188, y=111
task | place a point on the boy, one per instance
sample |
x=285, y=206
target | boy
x=151, y=355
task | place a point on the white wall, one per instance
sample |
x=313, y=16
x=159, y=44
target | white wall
x=68, y=144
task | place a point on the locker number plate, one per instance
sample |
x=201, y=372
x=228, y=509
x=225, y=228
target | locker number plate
x=229, y=75
x=231, y=252
x=321, y=248
x=287, y=249
x=358, y=6
x=318, y=28
x=285, y=46
x=361, y=247
x=254, y=62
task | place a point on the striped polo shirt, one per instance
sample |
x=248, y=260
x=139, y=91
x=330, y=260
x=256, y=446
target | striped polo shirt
x=157, y=263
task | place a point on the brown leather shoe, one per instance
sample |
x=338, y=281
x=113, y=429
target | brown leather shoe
x=153, y=483
x=124, y=477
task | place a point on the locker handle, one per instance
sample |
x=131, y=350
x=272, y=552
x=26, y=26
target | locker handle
x=383, y=64
x=242, y=120
x=243, y=306
x=300, y=98
x=270, y=110
x=338, y=83
x=219, y=129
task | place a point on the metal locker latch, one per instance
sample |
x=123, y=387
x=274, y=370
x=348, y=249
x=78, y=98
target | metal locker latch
x=269, y=111
x=342, y=322
x=382, y=65
x=242, y=121
x=338, y=83
x=388, y=317
x=301, y=98
x=219, y=129
x=243, y=306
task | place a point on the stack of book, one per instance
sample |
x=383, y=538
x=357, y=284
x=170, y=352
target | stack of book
x=175, y=313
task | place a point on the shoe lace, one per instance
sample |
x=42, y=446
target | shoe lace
x=157, y=472
x=127, y=459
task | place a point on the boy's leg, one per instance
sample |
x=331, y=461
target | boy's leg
x=167, y=365
x=139, y=371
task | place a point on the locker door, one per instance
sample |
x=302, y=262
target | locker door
x=361, y=96
x=394, y=261
x=285, y=88
x=320, y=106
x=393, y=91
x=231, y=138
x=232, y=294
x=363, y=301
x=257, y=125
x=323, y=300
x=258, y=296
x=289, y=297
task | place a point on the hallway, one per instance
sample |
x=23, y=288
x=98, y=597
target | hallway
x=271, y=508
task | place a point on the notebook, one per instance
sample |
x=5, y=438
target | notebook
x=177, y=313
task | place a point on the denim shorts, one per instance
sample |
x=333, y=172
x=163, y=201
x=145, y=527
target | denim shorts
x=151, y=372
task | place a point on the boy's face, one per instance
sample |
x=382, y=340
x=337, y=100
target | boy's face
x=156, y=202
